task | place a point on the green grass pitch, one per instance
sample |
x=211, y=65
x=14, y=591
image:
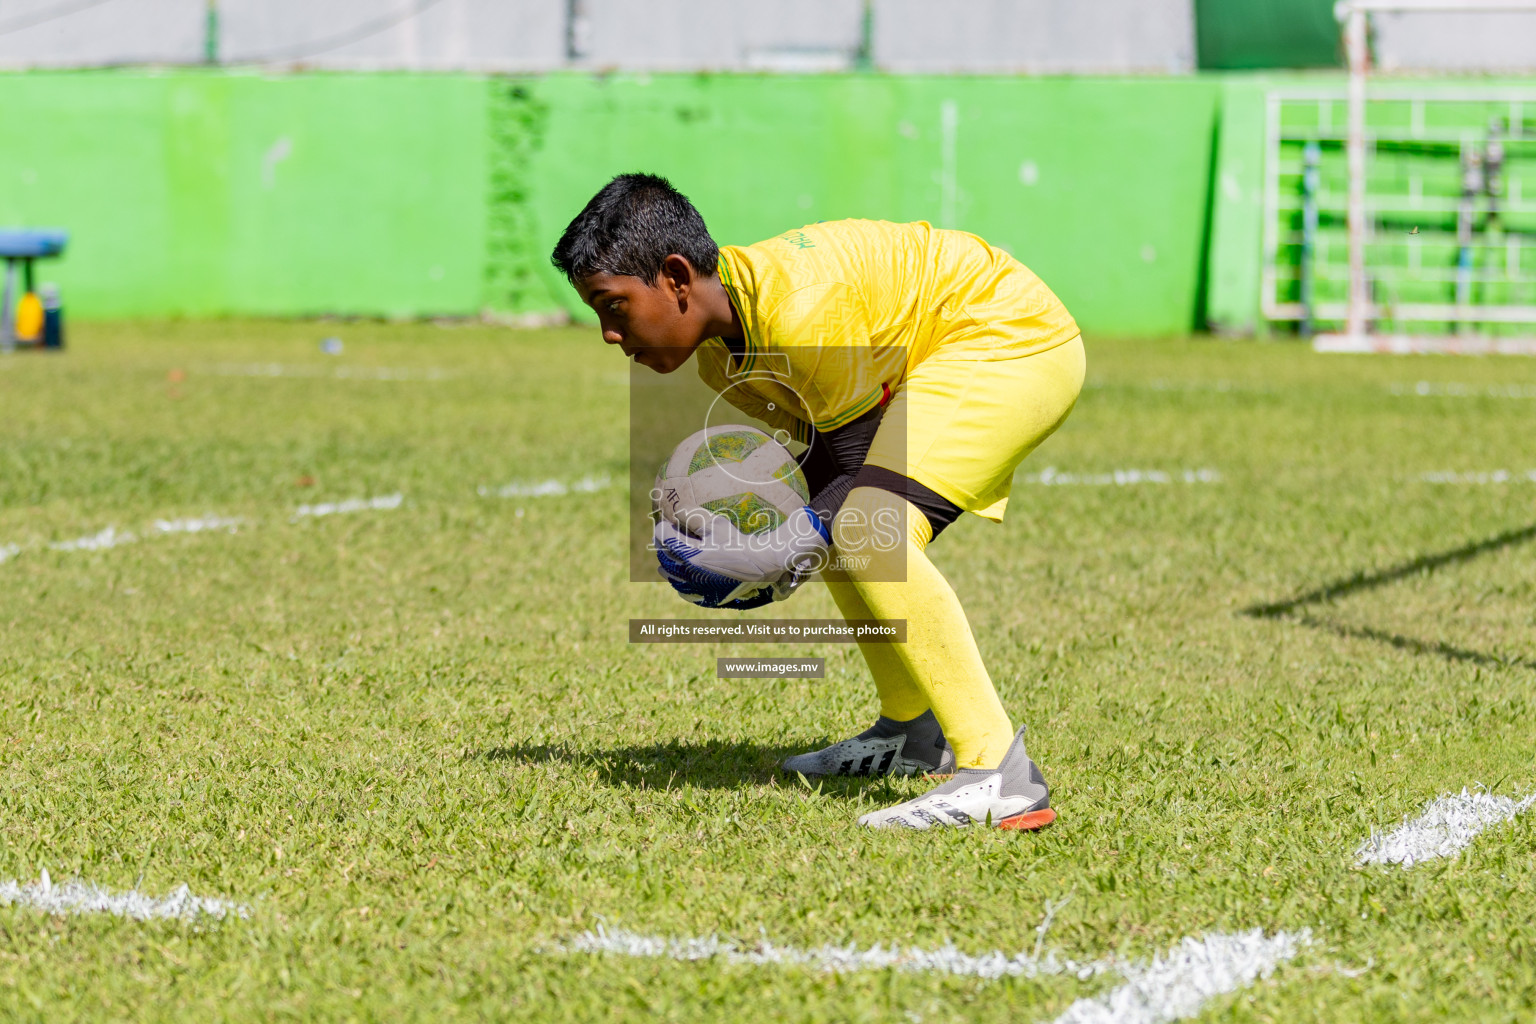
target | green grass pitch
x=415, y=741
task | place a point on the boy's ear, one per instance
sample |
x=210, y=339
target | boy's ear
x=677, y=270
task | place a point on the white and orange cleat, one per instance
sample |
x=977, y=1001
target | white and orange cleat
x=1013, y=795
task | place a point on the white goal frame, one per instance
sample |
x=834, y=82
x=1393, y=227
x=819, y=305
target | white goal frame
x=1354, y=16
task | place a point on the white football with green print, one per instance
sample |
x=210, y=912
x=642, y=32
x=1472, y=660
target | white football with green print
x=734, y=471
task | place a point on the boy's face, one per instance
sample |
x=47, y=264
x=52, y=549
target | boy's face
x=655, y=324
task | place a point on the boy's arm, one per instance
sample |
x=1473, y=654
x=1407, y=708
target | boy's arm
x=834, y=466
x=832, y=460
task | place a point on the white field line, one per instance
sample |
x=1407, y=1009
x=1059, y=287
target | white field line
x=1451, y=389
x=1497, y=476
x=108, y=538
x=946, y=959
x=1169, y=987
x=1178, y=984
x=384, y=373
x=547, y=488
x=112, y=537
x=1050, y=476
x=1446, y=827
x=331, y=508
x=77, y=897
x=197, y=525
x=1183, y=386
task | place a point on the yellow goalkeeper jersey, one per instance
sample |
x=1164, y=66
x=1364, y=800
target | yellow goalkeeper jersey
x=836, y=314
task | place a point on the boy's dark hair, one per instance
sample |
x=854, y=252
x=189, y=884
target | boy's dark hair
x=630, y=227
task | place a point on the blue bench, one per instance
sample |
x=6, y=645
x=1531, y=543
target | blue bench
x=23, y=246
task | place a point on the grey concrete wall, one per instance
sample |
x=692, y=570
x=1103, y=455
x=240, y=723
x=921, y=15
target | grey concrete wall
x=1460, y=41
x=675, y=35
x=786, y=35
x=1038, y=36
x=934, y=36
x=440, y=35
x=60, y=33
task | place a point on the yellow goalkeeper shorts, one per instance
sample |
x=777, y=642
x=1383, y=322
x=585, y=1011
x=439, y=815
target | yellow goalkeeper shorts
x=961, y=425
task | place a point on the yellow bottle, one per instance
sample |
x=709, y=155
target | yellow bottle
x=29, y=319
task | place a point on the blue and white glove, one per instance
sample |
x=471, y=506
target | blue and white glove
x=726, y=568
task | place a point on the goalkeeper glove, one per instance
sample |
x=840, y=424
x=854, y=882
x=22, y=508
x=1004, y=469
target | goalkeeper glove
x=725, y=568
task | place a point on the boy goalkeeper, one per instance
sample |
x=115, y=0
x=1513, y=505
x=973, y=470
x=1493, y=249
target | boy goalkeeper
x=920, y=366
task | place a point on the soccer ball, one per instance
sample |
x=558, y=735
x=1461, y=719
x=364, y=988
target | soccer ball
x=734, y=471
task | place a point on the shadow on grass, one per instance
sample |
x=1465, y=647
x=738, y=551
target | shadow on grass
x=708, y=765
x=1292, y=609
x=1408, y=643
x=1370, y=580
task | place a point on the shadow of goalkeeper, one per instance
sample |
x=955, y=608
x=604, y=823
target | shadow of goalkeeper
x=1296, y=609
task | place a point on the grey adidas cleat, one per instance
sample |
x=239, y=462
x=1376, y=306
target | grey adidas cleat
x=889, y=747
x=1012, y=795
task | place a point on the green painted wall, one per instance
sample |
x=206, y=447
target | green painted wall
x=1237, y=211
x=207, y=193
x=204, y=193
x=1099, y=185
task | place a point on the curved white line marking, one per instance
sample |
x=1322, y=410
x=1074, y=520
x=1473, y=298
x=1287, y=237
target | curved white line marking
x=78, y=897
x=1497, y=476
x=548, y=488
x=1455, y=389
x=946, y=959
x=377, y=373
x=1179, y=984
x=1051, y=477
x=331, y=508
x=197, y=525
x=1169, y=987
x=108, y=538
x=1445, y=828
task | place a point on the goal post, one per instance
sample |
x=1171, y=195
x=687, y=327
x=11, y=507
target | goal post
x=1450, y=155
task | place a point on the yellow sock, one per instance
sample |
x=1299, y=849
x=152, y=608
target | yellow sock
x=940, y=657
x=900, y=696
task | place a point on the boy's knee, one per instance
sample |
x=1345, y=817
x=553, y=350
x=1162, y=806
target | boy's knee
x=873, y=526
x=853, y=527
